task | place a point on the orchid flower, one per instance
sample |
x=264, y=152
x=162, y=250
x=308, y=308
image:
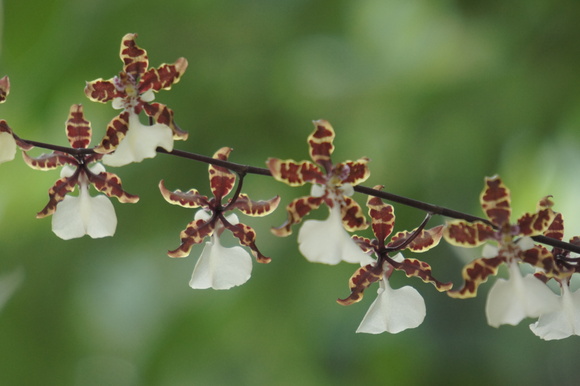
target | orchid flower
x=75, y=216
x=509, y=301
x=323, y=241
x=219, y=267
x=133, y=91
x=394, y=310
x=8, y=140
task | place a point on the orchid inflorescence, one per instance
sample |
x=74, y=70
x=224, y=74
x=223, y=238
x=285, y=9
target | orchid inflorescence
x=329, y=241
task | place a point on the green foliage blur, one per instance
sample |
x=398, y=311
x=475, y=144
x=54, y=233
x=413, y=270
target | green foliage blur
x=437, y=93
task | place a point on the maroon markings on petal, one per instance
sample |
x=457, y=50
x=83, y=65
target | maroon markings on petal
x=533, y=224
x=364, y=243
x=164, y=77
x=221, y=180
x=295, y=174
x=100, y=90
x=556, y=228
x=358, y=171
x=193, y=234
x=353, y=218
x=255, y=208
x=189, y=199
x=466, y=234
x=247, y=236
x=110, y=184
x=422, y=270
x=135, y=61
x=360, y=281
x=297, y=209
x=320, y=143
x=116, y=131
x=49, y=161
x=474, y=274
x=4, y=88
x=164, y=115
x=495, y=201
x=427, y=239
x=78, y=129
x=540, y=257
x=57, y=193
x=382, y=216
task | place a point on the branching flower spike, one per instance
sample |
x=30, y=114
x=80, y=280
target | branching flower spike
x=219, y=267
x=75, y=216
x=323, y=241
x=133, y=91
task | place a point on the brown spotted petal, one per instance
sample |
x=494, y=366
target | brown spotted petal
x=353, y=218
x=189, y=199
x=255, y=208
x=556, y=228
x=193, y=234
x=364, y=243
x=358, y=171
x=383, y=217
x=49, y=161
x=468, y=234
x=164, y=77
x=110, y=184
x=533, y=224
x=295, y=174
x=360, y=281
x=221, y=180
x=297, y=209
x=247, y=236
x=135, y=60
x=164, y=115
x=474, y=274
x=540, y=257
x=116, y=131
x=495, y=201
x=57, y=193
x=420, y=269
x=102, y=91
x=427, y=239
x=78, y=129
x=4, y=88
x=320, y=142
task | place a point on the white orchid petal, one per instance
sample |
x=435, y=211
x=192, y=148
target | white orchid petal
x=394, y=310
x=147, y=96
x=97, y=168
x=221, y=268
x=140, y=142
x=202, y=214
x=317, y=190
x=328, y=242
x=102, y=221
x=489, y=251
x=118, y=103
x=7, y=147
x=510, y=301
x=347, y=189
x=562, y=323
x=526, y=243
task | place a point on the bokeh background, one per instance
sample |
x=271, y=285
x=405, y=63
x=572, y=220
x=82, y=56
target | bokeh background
x=437, y=93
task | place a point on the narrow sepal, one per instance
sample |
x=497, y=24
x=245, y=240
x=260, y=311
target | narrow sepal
x=193, y=234
x=556, y=228
x=135, y=60
x=247, y=236
x=255, y=208
x=427, y=239
x=358, y=171
x=466, y=234
x=164, y=77
x=189, y=199
x=4, y=88
x=102, y=91
x=360, y=281
x=57, y=193
x=48, y=161
x=474, y=274
x=295, y=174
x=495, y=201
x=78, y=129
x=382, y=217
x=533, y=224
x=116, y=131
x=164, y=115
x=297, y=209
x=422, y=270
x=221, y=180
x=540, y=257
x=110, y=184
x=353, y=218
x=367, y=245
x=320, y=142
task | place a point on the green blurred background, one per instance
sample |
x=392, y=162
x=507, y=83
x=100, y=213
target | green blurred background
x=438, y=94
